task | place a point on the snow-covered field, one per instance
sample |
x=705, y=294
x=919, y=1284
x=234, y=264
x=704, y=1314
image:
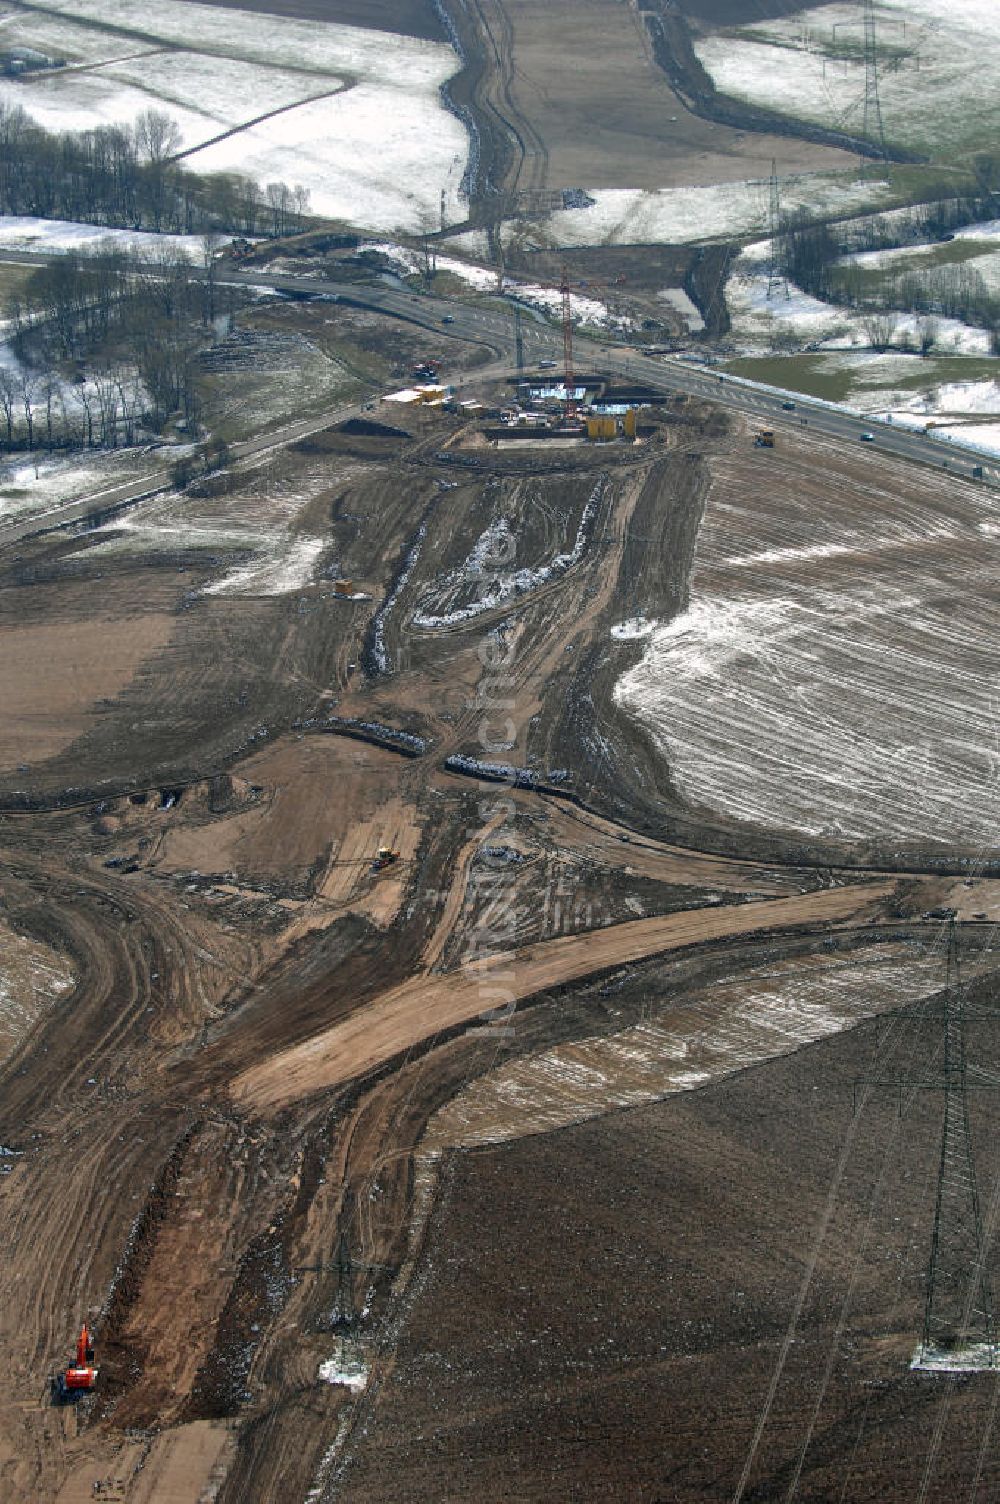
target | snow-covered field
x=939, y=69
x=261, y=524
x=681, y=216
x=378, y=152
x=22, y=232
x=282, y=568
x=835, y=672
x=758, y=319
x=30, y=487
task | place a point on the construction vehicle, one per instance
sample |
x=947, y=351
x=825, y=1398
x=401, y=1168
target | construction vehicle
x=81, y=1376
x=384, y=857
x=764, y=438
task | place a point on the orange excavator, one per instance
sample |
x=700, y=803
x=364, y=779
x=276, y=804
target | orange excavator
x=81, y=1376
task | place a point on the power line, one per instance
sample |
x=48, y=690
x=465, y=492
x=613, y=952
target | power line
x=959, y=1326
x=775, y=276
x=872, y=129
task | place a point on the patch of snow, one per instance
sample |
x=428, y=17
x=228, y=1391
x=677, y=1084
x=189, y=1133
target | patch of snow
x=351, y=1374
x=379, y=652
x=547, y=300
x=633, y=628
x=289, y=567
x=980, y=436
x=506, y=586
x=682, y=304
x=973, y=1358
x=22, y=232
x=413, y=263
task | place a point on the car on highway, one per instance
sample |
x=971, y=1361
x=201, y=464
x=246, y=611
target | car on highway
x=867, y=438
x=546, y=365
x=788, y=407
x=447, y=318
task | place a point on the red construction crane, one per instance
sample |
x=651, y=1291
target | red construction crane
x=567, y=323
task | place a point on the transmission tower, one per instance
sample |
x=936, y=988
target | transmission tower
x=567, y=324
x=872, y=129
x=959, y=1327
x=519, y=341
x=775, y=277
x=344, y=1316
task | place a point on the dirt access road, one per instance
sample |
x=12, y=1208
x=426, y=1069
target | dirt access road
x=428, y=1006
x=257, y=1028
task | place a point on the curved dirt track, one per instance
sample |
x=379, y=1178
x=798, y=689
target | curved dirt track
x=408, y=1016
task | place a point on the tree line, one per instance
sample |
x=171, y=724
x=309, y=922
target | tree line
x=128, y=176
x=107, y=346
x=816, y=257
x=107, y=342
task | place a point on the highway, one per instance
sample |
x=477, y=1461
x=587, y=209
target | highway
x=492, y=326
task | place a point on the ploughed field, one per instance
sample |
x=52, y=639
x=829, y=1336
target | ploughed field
x=833, y=670
x=570, y=1076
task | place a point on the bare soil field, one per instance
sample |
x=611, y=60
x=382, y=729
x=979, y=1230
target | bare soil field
x=252, y=1050
x=50, y=679
x=548, y=83
x=733, y=12
x=747, y=1235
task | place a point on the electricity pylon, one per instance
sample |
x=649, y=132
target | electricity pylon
x=775, y=277
x=872, y=129
x=959, y=1326
x=345, y=1316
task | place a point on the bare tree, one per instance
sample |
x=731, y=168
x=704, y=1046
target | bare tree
x=157, y=136
x=8, y=396
x=927, y=334
x=880, y=327
x=211, y=244
x=49, y=393
x=27, y=386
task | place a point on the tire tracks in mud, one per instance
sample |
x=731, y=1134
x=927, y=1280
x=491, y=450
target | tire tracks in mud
x=426, y=1007
x=508, y=155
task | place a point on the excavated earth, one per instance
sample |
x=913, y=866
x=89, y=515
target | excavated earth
x=572, y=1077
x=559, y=1107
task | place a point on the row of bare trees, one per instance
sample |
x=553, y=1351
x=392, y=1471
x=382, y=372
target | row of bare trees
x=107, y=346
x=131, y=176
x=816, y=258
x=38, y=411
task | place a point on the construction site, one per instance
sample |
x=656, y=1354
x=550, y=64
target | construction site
x=499, y=907
x=358, y=1000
